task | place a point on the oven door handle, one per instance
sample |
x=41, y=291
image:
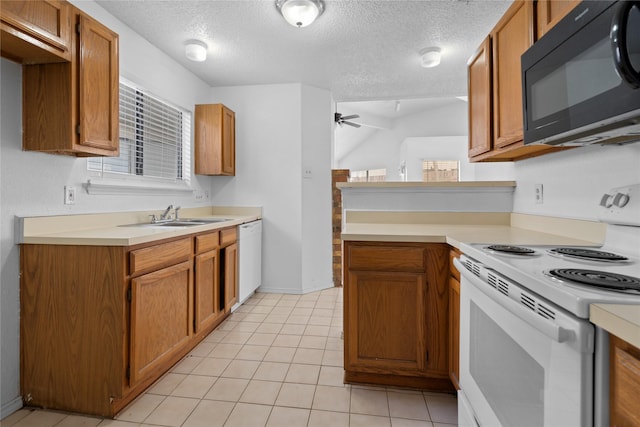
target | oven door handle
x=544, y=325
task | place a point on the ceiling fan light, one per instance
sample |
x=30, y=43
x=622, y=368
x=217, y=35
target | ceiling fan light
x=300, y=13
x=195, y=50
x=430, y=57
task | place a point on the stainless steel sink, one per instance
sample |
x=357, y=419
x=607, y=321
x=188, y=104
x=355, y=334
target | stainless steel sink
x=184, y=222
x=204, y=220
x=179, y=223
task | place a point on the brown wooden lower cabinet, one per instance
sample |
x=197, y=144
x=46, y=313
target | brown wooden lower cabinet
x=100, y=324
x=624, y=383
x=395, y=314
x=161, y=318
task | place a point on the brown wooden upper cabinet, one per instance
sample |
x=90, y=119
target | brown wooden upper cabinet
x=495, y=89
x=72, y=107
x=70, y=77
x=215, y=140
x=549, y=12
x=35, y=32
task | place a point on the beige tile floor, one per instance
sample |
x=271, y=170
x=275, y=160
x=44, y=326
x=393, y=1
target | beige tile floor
x=276, y=361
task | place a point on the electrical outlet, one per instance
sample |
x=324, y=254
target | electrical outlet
x=539, y=194
x=306, y=173
x=69, y=195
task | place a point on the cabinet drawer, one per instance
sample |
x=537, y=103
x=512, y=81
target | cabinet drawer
x=158, y=256
x=386, y=258
x=207, y=242
x=228, y=236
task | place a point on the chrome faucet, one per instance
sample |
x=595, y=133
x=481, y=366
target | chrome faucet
x=175, y=212
x=163, y=215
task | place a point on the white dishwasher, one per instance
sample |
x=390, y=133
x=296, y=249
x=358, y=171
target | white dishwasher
x=249, y=259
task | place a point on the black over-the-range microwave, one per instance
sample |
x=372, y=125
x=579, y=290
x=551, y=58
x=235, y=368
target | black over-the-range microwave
x=581, y=80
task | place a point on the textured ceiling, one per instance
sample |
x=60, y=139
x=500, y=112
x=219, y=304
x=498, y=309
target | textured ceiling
x=357, y=49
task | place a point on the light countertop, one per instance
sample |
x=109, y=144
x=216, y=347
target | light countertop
x=114, y=229
x=622, y=321
x=425, y=185
x=470, y=227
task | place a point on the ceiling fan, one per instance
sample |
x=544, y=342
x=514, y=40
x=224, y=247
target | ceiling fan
x=344, y=120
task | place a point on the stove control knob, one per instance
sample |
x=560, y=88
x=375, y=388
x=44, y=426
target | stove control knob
x=606, y=201
x=621, y=200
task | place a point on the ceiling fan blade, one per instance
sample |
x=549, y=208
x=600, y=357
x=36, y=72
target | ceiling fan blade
x=355, y=125
x=353, y=116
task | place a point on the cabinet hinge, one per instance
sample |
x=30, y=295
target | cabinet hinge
x=78, y=130
x=78, y=28
x=129, y=295
x=128, y=372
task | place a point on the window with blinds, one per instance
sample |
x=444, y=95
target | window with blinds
x=369, y=175
x=155, y=139
x=440, y=170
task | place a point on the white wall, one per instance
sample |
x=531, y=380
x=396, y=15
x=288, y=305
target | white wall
x=280, y=128
x=32, y=183
x=414, y=150
x=317, y=247
x=574, y=180
x=384, y=149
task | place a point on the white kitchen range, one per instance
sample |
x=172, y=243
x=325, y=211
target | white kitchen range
x=528, y=354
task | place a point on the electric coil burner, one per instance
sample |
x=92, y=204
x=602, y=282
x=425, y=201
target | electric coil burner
x=511, y=250
x=602, y=279
x=587, y=254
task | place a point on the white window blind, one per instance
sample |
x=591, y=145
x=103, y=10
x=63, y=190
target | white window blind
x=155, y=139
x=440, y=170
x=369, y=175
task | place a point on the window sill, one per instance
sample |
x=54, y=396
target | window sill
x=120, y=187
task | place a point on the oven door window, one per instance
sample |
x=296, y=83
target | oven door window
x=510, y=379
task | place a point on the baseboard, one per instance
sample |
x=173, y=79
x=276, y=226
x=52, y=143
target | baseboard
x=9, y=408
x=273, y=290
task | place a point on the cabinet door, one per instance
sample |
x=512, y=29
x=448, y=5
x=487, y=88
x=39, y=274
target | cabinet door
x=624, y=383
x=161, y=318
x=230, y=276
x=228, y=142
x=454, y=331
x=386, y=322
x=98, y=74
x=207, y=292
x=550, y=12
x=36, y=31
x=511, y=37
x=479, y=81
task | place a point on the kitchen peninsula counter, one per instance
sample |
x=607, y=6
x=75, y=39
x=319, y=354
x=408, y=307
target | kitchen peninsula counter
x=455, y=228
x=119, y=229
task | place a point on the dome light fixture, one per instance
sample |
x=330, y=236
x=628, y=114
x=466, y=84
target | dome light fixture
x=300, y=13
x=430, y=57
x=195, y=50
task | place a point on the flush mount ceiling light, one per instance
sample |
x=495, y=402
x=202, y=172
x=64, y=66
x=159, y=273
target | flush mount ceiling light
x=195, y=50
x=300, y=13
x=430, y=57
